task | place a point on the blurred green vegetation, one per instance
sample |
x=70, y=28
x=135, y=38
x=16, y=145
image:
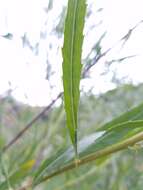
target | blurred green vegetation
x=122, y=171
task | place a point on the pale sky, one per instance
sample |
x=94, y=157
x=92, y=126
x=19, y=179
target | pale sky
x=26, y=71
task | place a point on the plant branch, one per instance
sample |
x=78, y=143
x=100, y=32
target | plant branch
x=101, y=153
x=37, y=117
x=124, y=39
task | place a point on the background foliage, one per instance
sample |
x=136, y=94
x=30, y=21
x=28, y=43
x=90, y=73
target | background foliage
x=43, y=140
x=44, y=149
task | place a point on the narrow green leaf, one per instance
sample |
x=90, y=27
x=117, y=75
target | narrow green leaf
x=72, y=50
x=132, y=115
x=116, y=134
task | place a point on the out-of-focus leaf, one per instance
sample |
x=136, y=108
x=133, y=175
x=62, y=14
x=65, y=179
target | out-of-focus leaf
x=72, y=49
x=18, y=175
x=97, y=46
x=8, y=36
x=78, y=180
x=132, y=115
x=120, y=59
x=2, y=141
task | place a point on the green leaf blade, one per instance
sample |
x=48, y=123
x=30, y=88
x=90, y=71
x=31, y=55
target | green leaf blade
x=134, y=114
x=72, y=50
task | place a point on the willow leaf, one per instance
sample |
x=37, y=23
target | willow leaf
x=133, y=114
x=72, y=50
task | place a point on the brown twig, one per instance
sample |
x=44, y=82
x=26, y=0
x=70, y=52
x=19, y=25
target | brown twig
x=124, y=39
x=37, y=117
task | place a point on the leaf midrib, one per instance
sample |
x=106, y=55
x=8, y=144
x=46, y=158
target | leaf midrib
x=72, y=65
